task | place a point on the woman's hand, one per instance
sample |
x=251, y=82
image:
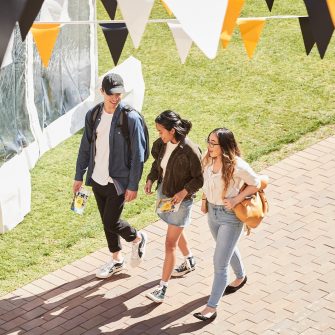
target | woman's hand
x=204, y=206
x=179, y=197
x=230, y=203
x=148, y=187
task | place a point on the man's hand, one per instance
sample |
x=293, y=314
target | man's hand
x=77, y=185
x=130, y=195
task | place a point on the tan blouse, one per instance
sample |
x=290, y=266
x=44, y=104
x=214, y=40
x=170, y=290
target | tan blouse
x=213, y=183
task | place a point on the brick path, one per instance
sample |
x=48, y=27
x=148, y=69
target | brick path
x=290, y=261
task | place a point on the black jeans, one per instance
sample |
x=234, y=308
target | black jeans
x=110, y=206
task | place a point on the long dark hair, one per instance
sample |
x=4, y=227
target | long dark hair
x=171, y=120
x=230, y=150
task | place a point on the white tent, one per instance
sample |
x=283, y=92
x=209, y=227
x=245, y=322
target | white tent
x=41, y=107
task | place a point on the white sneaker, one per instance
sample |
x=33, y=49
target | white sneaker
x=109, y=269
x=187, y=266
x=158, y=295
x=138, y=250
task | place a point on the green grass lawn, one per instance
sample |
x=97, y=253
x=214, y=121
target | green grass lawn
x=277, y=103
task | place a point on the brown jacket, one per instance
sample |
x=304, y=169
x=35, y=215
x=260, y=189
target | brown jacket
x=183, y=169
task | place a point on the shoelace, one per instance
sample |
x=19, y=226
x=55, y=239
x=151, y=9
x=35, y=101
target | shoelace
x=107, y=266
x=157, y=290
x=182, y=266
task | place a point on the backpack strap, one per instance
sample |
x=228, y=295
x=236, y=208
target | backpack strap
x=124, y=122
x=95, y=112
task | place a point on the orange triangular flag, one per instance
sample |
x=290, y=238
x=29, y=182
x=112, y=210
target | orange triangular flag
x=45, y=36
x=331, y=7
x=233, y=11
x=167, y=8
x=251, y=31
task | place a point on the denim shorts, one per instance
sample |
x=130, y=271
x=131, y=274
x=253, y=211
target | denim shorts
x=182, y=217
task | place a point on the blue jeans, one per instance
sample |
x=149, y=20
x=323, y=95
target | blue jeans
x=226, y=229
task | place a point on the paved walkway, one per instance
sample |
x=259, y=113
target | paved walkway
x=290, y=261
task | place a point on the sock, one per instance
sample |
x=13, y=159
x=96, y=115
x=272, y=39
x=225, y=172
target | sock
x=138, y=236
x=189, y=255
x=118, y=260
x=163, y=283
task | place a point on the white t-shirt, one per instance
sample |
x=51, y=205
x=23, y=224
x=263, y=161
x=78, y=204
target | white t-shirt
x=213, y=183
x=101, y=169
x=169, y=149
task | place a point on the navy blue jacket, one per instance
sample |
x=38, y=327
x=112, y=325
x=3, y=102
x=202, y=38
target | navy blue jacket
x=125, y=164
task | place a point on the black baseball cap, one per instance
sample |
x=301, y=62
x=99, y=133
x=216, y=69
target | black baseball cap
x=113, y=83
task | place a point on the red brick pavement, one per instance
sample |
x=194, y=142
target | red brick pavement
x=290, y=262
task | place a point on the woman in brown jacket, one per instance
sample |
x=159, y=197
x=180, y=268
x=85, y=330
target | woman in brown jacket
x=177, y=170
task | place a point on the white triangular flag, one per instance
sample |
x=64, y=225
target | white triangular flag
x=183, y=41
x=136, y=14
x=8, y=58
x=54, y=10
x=201, y=20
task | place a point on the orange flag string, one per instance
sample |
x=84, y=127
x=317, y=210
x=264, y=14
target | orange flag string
x=45, y=36
x=167, y=8
x=233, y=11
x=250, y=32
x=331, y=7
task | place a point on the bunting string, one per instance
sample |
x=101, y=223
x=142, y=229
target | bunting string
x=172, y=20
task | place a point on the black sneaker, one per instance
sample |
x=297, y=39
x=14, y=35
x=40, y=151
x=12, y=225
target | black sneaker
x=158, y=294
x=109, y=269
x=138, y=250
x=184, y=268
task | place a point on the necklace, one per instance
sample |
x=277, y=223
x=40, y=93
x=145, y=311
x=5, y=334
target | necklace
x=217, y=165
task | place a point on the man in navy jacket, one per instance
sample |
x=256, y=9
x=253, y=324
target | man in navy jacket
x=113, y=168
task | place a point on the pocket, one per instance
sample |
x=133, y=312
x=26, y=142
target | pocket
x=187, y=203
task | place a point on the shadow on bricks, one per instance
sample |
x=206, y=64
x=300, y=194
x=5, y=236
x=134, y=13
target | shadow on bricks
x=163, y=323
x=74, y=307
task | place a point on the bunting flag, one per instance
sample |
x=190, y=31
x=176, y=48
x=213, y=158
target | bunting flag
x=136, y=15
x=321, y=24
x=115, y=35
x=31, y=10
x=110, y=6
x=10, y=12
x=233, y=11
x=193, y=13
x=183, y=41
x=270, y=4
x=166, y=8
x=251, y=31
x=53, y=11
x=331, y=8
x=307, y=33
x=45, y=37
x=8, y=57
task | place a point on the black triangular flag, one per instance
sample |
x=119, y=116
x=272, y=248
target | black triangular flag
x=110, y=6
x=31, y=10
x=10, y=12
x=307, y=33
x=116, y=35
x=321, y=23
x=270, y=4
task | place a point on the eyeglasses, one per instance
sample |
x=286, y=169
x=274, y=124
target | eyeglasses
x=211, y=144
